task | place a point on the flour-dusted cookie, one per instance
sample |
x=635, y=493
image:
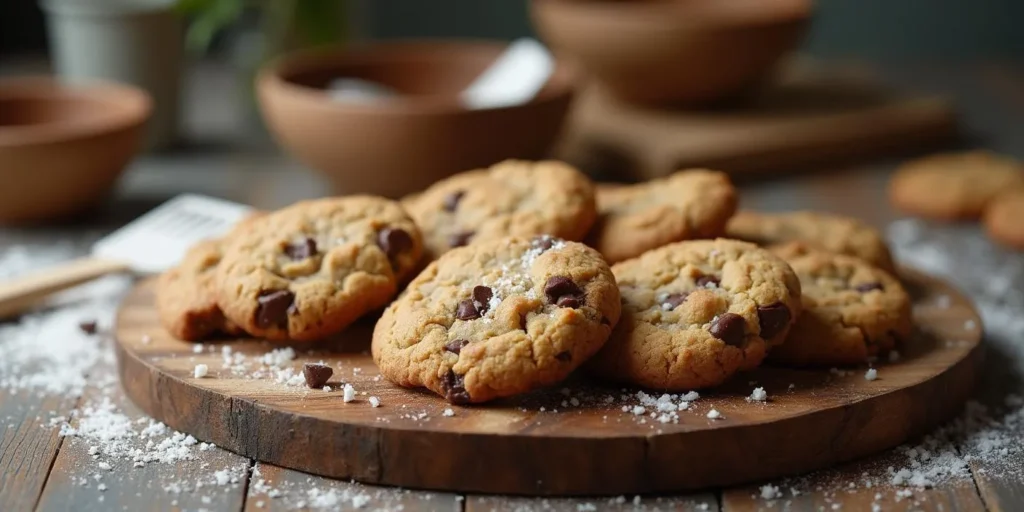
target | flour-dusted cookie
x=953, y=186
x=695, y=313
x=498, y=318
x=852, y=311
x=511, y=198
x=833, y=233
x=1004, y=219
x=186, y=295
x=687, y=205
x=309, y=270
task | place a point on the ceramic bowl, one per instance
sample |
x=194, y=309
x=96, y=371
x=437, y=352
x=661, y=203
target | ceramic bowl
x=62, y=147
x=404, y=143
x=673, y=52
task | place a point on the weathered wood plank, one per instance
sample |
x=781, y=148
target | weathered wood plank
x=213, y=479
x=275, y=488
x=26, y=450
x=694, y=502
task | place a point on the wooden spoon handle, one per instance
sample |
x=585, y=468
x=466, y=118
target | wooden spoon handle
x=20, y=294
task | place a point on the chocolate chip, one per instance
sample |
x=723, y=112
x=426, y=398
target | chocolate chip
x=703, y=281
x=454, y=387
x=729, y=327
x=393, y=241
x=673, y=301
x=773, y=319
x=466, y=310
x=274, y=306
x=88, y=327
x=451, y=201
x=564, y=357
x=482, y=298
x=455, y=346
x=301, y=250
x=543, y=242
x=316, y=374
x=459, y=239
x=867, y=287
x=563, y=292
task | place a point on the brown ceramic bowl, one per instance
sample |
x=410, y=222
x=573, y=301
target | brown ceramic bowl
x=673, y=51
x=403, y=144
x=63, y=147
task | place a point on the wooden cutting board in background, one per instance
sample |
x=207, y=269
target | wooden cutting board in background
x=810, y=116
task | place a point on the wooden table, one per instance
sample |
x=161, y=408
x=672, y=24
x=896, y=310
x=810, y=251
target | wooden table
x=41, y=470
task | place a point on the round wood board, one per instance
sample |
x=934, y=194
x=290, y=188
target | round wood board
x=568, y=440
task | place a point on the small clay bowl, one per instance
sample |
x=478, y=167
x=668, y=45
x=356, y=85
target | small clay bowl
x=62, y=147
x=402, y=144
x=673, y=52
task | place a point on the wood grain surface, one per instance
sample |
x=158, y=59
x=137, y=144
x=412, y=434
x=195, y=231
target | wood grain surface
x=813, y=419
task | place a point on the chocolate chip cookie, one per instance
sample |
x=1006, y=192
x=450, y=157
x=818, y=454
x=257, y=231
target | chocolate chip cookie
x=309, y=270
x=186, y=295
x=511, y=198
x=953, y=186
x=833, y=233
x=852, y=311
x=633, y=219
x=695, y=313
x=498, y=318
x=1004, y=219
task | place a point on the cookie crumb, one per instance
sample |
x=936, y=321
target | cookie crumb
x=713, y=414
x=448, y=412
x=349, y=393
x=758, y=395
x=871, y=374
x=374, y=401
x=200, y=371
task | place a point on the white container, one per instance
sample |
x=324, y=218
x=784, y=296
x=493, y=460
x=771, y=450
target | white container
x=138, y=42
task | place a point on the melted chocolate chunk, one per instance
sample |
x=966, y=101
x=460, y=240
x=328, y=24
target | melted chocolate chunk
x=543, y=242
x=454, y=387
x=466, y=310
x=461, y=238
x=455, y=346
x=316, y=374
x=703, y=281
x=88, y=327
x=730, y=328
x=673, y=301
x=867, y=287
x=774, y=318
x=482, y=298
x=564, y=357
x=274, y=307
x=451, y=201
x=301, y=250
x=563, y=292
x=393, y=241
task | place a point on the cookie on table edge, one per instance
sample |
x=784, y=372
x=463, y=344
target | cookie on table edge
x=829, y=232
x=498, y=318
x=695, y=313
x=953, y=186
x=307, y=271
x=1004, y=219
x=689, y=204
x=852, y=311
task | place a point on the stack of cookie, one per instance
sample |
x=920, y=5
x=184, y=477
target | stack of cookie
x=529, y=271
x=965, y=186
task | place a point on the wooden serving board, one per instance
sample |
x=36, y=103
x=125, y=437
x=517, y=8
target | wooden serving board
x=810, y=116
x=544, y=443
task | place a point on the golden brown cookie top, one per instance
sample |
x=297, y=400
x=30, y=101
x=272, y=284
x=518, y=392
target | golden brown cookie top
x=633, y=219
x=186, y=295
x=308, y=270
x=833, y=233
x=514, y=197
x=498, y=318
x=1004, y=218
x=952, y=186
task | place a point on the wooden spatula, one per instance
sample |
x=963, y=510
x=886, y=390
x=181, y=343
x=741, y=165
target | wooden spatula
x=148, y=245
